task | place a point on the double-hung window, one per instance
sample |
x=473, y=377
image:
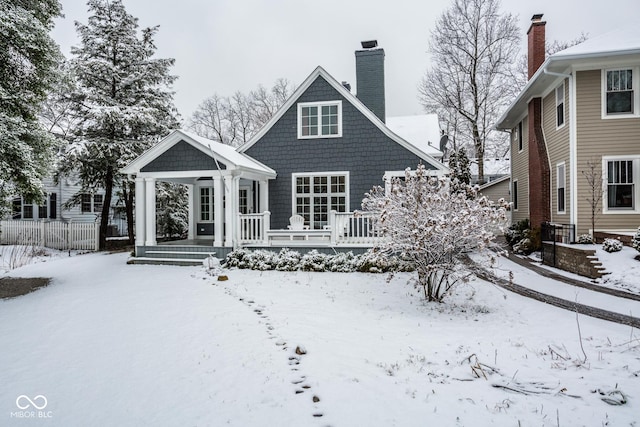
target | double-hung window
x=560, y=105
x=620, y=97
x=315, y=195
x=91, y=203
x=621, y=185
x=520, y=137
x=561, y=187
x=320, y=120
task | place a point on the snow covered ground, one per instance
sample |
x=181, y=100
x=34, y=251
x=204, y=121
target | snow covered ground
x=128, y=345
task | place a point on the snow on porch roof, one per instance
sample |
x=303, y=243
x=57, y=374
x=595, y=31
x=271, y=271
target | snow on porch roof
x=224, y=153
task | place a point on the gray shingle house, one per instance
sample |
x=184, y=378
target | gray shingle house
x=315, y=159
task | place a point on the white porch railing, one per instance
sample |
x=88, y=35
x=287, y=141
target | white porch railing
x=253, y=228
x=51, y=234
x=348, y=228
x=344, y=228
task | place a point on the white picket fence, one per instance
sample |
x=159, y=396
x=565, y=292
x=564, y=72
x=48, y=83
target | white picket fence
x=51, y=234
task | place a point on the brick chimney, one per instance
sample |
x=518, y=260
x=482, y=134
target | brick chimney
x=536, y=44
x=539, y=170
x=370, y=77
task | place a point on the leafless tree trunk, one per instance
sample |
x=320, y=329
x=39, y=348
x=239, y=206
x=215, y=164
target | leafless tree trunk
x=472, y=46
x=593, y=175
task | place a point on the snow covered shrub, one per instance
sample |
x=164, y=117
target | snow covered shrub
x=515, y=232
x=635, y=242
x=341, y=262
x=523, y=247
x=585, y=239
x=612, y=245
x=313, y=261
x=288, y=260
x=434, y=228
x=237, y=258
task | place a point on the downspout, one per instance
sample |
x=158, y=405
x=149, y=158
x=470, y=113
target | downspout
x=573, y=146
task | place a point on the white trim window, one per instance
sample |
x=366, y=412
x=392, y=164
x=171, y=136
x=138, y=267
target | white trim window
x=619, y=97
x=91, y=203
x=560, y=106
x=205, y=207
x=561, y=186
x=621, y=177
x=520, y=137
x=26, y=210
x=320, y=120
x=317, y=194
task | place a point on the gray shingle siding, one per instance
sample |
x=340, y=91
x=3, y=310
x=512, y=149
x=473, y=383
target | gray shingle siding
x=363, y=150
x=182, y=157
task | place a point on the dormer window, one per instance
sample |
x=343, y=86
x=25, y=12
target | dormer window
x=320, y=120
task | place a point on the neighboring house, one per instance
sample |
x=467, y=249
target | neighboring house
x=581, y=106
x=56, y=195
x=316, y=157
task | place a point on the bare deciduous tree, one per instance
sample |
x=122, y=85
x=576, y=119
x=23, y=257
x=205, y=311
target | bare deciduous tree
x=234, y=120
x=472, y=47
x=593, y=175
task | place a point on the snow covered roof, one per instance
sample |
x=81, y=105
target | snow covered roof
x=222, y=152
x=624, y=40
x=421, y=130
x=593, y=53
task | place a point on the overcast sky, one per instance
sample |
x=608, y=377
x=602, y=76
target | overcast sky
x=222, y=46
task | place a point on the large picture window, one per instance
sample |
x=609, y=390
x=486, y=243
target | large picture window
x=320, y=119
x=315, y=195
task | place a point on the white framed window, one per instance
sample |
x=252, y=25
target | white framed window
x=619, y=93
x=91, y=203
x=320, y=120
x=561, y=188
x=560, y=106
x=514, y=194
x=24, y=209
x=621, y=176
x=317, y=194
x=519, y=137
x=205, y=213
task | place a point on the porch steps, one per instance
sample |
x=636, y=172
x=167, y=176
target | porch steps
x=165, y=261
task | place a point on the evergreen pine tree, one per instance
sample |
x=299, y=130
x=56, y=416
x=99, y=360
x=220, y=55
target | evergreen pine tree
x=459, y=166
x=125, y=100
x=28, y=68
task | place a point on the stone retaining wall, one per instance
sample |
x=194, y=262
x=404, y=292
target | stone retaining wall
x=574, y=260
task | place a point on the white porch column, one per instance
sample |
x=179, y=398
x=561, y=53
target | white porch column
x=150, y=193
x=264, y=196
x=140, y=211
x=191, y=233
x=218, y=210
x=229, y=211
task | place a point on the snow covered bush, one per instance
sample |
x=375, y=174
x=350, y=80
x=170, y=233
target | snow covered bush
x=585, y=239
x=612, y=245
x=288, y=260
x=515, y=232
x=635, y=242
x=434, y=228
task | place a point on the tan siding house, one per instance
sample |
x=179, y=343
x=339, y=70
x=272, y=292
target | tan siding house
x=589, y=121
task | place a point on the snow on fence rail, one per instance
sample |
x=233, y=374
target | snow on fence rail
x=51, y=234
